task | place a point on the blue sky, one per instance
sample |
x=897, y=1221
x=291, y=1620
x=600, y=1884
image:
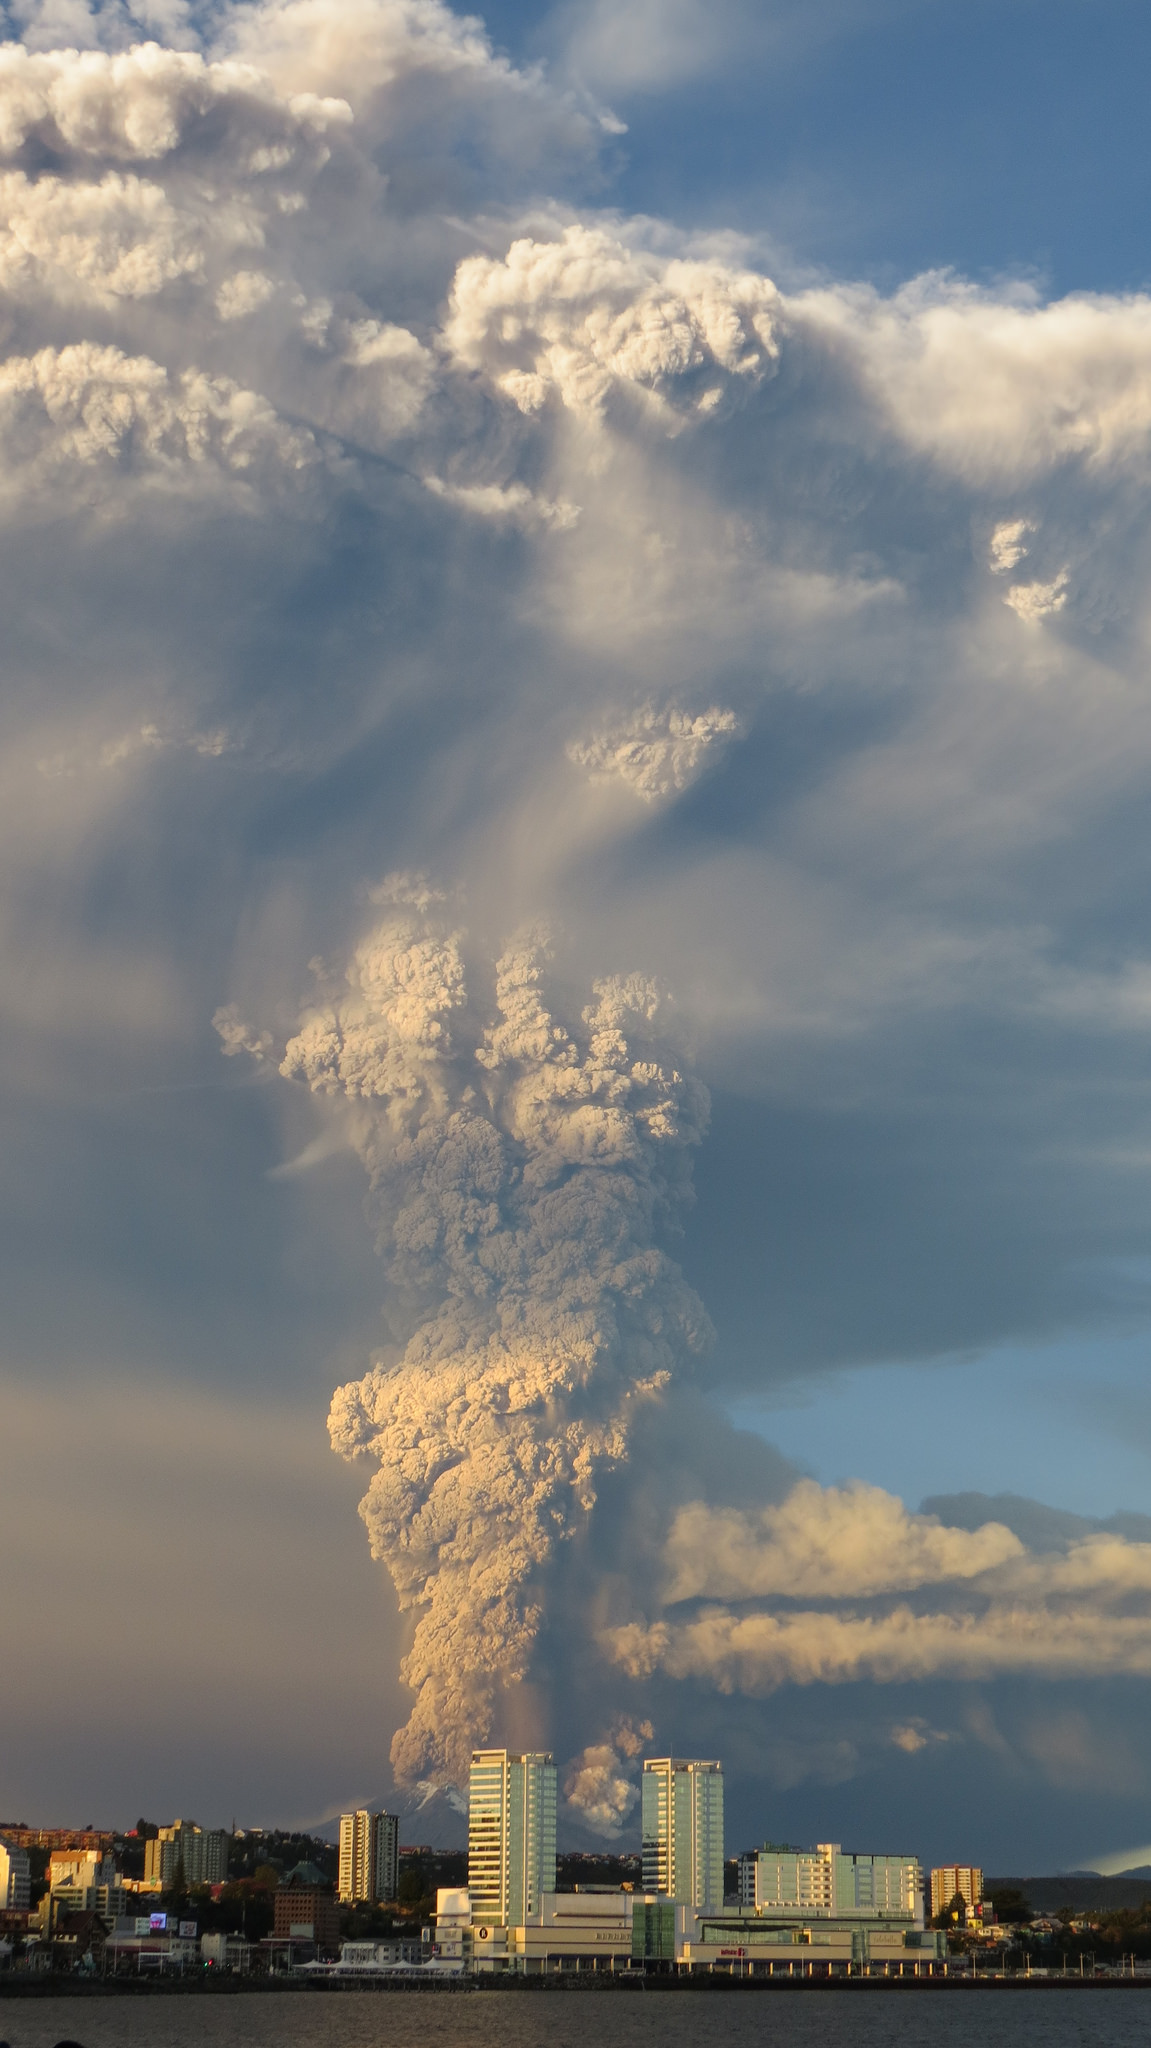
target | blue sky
x=883, y=140
x=1066, y=1420
x=576, y=760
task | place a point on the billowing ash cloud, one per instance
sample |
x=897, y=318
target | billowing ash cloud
x=600, y=1783
x=824, y=1541
x=894, y=1597
x=657, y=751
x=522, y=1171
x=585, y=320
x=346, y=478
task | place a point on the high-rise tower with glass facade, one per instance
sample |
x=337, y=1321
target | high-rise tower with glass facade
x=683, y=1831
x=511, y=1834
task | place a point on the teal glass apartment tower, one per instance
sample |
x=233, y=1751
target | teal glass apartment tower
x=683, y=1831
x=511, y=1835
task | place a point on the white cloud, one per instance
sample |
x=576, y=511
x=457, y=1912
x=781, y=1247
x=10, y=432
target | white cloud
x=832, y=1542
x=93, y=408
x=141, y=105
x=1009, y=544
x=584, y=317
x=120, y=238
x=357, y=47
x=600, y=1784
x=656, y=750
x=756, y=1653
x=1001, y=389
x=512, y=504
x=244, y=292
x=993, y=1608
x=228, y=290
x=1032, y=601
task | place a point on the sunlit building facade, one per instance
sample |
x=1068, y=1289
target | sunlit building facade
x=511, y=1835
x=15, y=1878
x=369, y=1856
x=682, y=1817
x=824, y=1883
x=952, y=1878
x=200, y=1853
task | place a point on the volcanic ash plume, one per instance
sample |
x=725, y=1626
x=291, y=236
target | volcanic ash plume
x=600, y=1782
x=521, y=1172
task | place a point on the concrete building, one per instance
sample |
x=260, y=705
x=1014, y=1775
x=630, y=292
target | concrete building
x=600, y=1930
x=766, y=1945
x=79, y=1870
x=369, y=1856
x=57, y=1838
x=201, y=1853
x=369, y=1958
x=15, y=1878
x=511, y=1835
x=82, y=1881
x=307, y=1913
x=956, y=1877
x=226, y=1952
x=682, y=1818
x=633, y=1931
x=156, y=1944
x=452, y=1932
x=824, y=1883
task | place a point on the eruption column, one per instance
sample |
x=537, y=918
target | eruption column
x=520, y=1174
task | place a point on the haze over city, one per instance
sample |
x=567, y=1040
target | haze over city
x=575, y=969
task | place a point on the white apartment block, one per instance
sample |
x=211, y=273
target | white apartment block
x=682, y=1820
x=511, y=1834
x=369, y=1856
x=824, y=1883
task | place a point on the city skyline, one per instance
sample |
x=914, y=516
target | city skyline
x=574, y=976
x=510, y=1844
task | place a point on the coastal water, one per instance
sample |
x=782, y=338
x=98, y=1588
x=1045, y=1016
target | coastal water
x=889, y=2019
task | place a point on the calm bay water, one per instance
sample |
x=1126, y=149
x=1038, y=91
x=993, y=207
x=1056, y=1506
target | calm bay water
x=984, y=2019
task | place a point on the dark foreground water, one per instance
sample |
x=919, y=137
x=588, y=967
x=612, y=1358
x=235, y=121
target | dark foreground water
x=808, y=2019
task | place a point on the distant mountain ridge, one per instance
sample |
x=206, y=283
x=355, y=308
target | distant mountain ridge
x=428, y=1818
x=433, y=1819
x=1081, y=1890
x=1035, y=1524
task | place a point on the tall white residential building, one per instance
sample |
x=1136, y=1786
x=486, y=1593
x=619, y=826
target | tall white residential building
x=369, y=1856
x=15, y=1878
x=950, y=1878
x=683, y=1831
x=823, y=1883
x=511, y=1834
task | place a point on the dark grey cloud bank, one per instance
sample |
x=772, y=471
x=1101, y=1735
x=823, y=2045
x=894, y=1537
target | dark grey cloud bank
x=368, y=515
